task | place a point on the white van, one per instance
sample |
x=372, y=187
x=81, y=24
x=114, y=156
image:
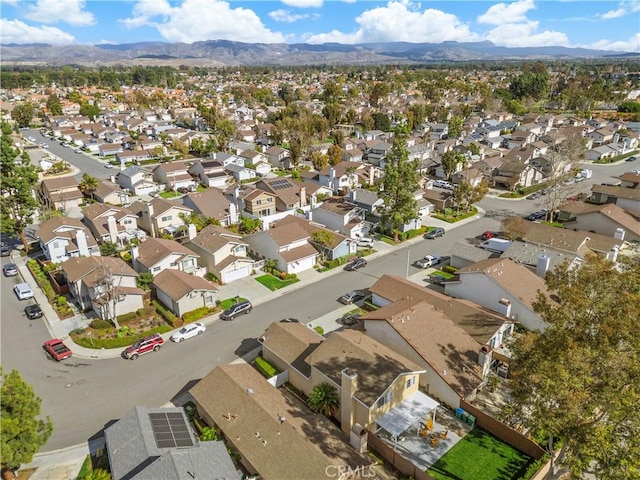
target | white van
x=23, y=291
x=365, y=242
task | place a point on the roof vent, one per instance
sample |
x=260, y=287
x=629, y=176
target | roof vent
x=250, y=391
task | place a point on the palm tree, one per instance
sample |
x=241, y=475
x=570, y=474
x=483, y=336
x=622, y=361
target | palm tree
x=324, y=399
x=88, y=185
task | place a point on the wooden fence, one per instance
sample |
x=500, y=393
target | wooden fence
x=396, y=459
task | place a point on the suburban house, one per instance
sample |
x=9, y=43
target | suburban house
x=212, y=204
x=366, y=199
x=464, y=254
x=110, y=223
x=136, y=180
x=441, y=199
x=110, y=149
x=210, y=173
x=222, y=252
x=241, y=173
x=342, y=177
x=512, y=174
x=159, y=443
x=503, y=286
x=255, y=202
x=287, y=244
x=106, y=285
x=159, y=216
x=157, y=254
x=607, y=219
x=290, y=195
x=133, y=156
x=339, y=215
x=182, y=293
x=174, y=175
x=260, y=423
x=278, y=157
x=370, y=378
x=109, y=192
x=62, y=238
x=340, y=246
x=60, y=193
x=626, y=195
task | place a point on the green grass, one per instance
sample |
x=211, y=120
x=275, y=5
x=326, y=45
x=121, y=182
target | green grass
x=443, y=274
x=273, y=283
x=169, y=194
x=480, y=456
x=224, y=304
x=452, y=216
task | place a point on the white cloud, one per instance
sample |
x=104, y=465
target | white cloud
x=303, y=3
x=401, y=21
x=524, y=35
x=197, y=20
x=52, y=11
x=624, y=7
x=502, y=13
x=15, y=31
x=286, y=16
x=632, y=45
x=8, y=2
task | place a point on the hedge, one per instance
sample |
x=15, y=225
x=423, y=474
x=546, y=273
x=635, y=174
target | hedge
x=100, y=324
x=265, y=367
x=127, y=317
x=196, y=314
x=166, y=314
x=449, y=269
x=535, y=467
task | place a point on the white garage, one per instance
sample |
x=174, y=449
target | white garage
x=235, y=271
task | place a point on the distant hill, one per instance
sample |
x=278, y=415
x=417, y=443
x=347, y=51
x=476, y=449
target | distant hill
x=225, y=52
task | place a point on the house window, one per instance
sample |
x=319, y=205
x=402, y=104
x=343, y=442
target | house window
x=411, y=381
x=166, y=219
x=258, y=202
x=128, y=222
x=156, y=269
x=386, y=398
x=173, y=264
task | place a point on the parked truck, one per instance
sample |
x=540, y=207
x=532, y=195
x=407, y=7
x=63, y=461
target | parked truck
x=56, y=349
x=498, y=245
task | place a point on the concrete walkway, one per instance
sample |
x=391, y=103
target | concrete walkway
x=64, y=464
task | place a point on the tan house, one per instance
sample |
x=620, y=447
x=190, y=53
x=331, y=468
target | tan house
x=61, y=193
x=182, y=293
x=160, y=217
x=608, y=219
x=110, y=223
x=158, y=254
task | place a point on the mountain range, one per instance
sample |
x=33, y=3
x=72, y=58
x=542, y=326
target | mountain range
x=224, y=52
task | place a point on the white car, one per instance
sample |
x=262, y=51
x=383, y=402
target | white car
x=23, y=291
x=108, y=165
x=188, y=331
x=428, y=261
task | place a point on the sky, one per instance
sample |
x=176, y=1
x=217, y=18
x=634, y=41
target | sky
x=604, y=25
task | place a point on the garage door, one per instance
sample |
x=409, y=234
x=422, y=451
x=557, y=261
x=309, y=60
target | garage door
x=231, y=275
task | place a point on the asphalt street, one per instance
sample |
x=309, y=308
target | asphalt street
x=82, y=396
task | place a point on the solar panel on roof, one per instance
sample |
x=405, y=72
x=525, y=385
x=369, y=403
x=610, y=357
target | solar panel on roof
x=279, y=184
x=170, y=430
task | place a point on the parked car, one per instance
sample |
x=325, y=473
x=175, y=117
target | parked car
x=108, y=165
x=10, y=270
x=488, y=234
x=352, y=297
x=33, y=311
x=355, y=265
x=539, y=215
x=635, y=171
x=533, y=196
x=77, y=150
x=437, y=279
x=44, y=145
x=5, y=250
x=289, y=320
x=365, y=242
x=236, y=309
x=23, y=291
x=349, y=319
x=435, y=233
x=188, y=331
x=428, y=261
x=631, y=159
x=152, y=343
x=56, y=349
x=31, y=139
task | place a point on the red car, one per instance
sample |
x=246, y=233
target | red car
x=487, y=235
x=152, y=343
x=56, y=349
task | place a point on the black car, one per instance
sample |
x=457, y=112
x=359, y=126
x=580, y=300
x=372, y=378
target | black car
x=237, y=309
x=33, y=311
x=356, y=264
x=349, y=319
x=631, y=159
x=5, y=250
x=435, y=233
x=289, y=320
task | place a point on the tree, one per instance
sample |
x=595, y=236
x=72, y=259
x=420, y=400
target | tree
x=17, y=180
x=378, y=93
x=577, y=381
x=108, y=249
x=107, y=290
x=461, y=195
x=97, y=474
x=324, y=399
x=249, y=225
x=318, y=160
x=23, y=113
x=332, y=112
x=324, y=238
x=455, y=127
x=180, y=146
x=399, y=184
x=88, y=185
x=224, y=131
x=144, y=280
x=450, y=162
x=21, y=431
x=54, y=105
x=381, y=122
x=91, y=110
x=335, y=155
x=514, y=227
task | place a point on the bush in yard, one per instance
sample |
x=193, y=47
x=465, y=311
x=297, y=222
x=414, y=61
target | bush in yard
x=196, y=314
x=319, y=330
x=209, y=434
x=166, y=314
x=100, y=324
x=127, y=317
x=265, y=367
x=449, y=269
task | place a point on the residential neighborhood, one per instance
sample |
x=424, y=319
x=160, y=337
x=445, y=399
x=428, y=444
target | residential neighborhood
x=369, y=271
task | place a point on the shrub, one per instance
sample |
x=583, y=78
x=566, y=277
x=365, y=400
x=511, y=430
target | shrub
x=534, y=467
x=169, y=317
x=100, y=324
x=98, y=343
x=209, y=434
x=319, y=330
x=125, y=332
x=265, y=367
x=449, y=269
x=127, y=317
x=196, y=314
x=61, y=301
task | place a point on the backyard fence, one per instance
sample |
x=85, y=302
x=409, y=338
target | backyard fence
x=507, y=434
x=395, y=458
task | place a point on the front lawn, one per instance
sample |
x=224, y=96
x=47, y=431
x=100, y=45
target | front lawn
x=480, y=456
x=224, y=304
x=273, y=283
x=169, y=194
x=452, y=216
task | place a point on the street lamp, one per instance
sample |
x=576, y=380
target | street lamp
x=408, y=256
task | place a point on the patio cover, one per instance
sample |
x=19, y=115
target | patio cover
x=407, y=413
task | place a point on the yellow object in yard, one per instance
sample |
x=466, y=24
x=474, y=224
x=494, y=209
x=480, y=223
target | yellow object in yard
x=429, y=424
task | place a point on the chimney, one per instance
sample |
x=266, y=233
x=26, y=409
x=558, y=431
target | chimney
x=233, y=214
x=504, y=307
x=349, y=385
x=191, y=231
x=112, y=178
x=352, y=195
x=542, y=266
x=372, y=179
x=113, y=229
x=236, y=195
x=612, y=256
x=310, y=215
x=485, y=356
x=332, y=177
x=134, y=252
x=303, y=197
x=152, y=225
x=81, y=240
x=619, y=234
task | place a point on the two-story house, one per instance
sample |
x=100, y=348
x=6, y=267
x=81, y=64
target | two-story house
x=290, y=194
x=62, y=238
x=159, y=216
x=60, y=193
x=607, y=219
x=512, y=174
x=157, y=254
x=137, y=180
x=110, y=223
x=278, y=157
x=342, y=177
x=288, y=245
x=626, y=195
x=174, y=175
x=339, y=246
x=222, y=252
x=106, y=285
x=210, y=173
x=212, y=203
x=109, y=192
x=342, y=216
